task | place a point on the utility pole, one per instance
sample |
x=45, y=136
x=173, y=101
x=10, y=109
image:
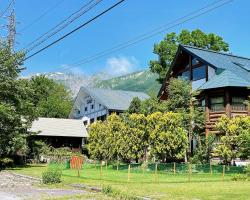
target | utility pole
x=11, y=29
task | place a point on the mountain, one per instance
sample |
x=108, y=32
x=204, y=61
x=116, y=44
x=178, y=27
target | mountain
x=144, y=81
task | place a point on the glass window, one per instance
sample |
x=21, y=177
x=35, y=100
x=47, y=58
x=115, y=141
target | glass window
x=199, y=73
x=92, y=120
x=92, y=106
x=85, y=122
x=86, y=108
x=217, y=103
x=195, y=61
x=185, y=75
x=238, y=103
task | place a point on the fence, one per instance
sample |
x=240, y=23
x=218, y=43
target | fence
x=152, y=172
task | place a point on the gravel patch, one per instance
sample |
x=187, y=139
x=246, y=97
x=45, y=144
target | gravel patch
x=16, y=187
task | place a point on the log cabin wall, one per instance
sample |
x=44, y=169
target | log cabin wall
x=233, y=105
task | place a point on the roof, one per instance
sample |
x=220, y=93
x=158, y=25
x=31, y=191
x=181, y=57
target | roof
x=237, y=68
x=226, y=79
x=113, y=99
x=59, y=127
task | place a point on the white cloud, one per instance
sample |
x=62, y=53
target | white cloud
x=121, y=65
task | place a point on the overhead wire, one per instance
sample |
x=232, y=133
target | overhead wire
x=76, y=29
x=8, y=7
x=61, y=25
x=150, y=34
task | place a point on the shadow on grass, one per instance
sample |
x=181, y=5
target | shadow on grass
x=146, y=182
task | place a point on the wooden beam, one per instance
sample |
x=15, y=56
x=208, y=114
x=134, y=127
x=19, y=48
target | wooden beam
x=206, y=73
x=207, y=111
x=190, y=67
x=228, y=103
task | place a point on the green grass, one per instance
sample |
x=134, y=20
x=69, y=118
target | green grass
x=164, y=185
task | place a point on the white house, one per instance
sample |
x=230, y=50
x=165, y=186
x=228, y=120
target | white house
x=93, y=104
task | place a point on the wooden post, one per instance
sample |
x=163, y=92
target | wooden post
x=117, y=165
x=228, y=103
x=207, y=114
x=128, y=172
x=211, y=168
x=156, y=169
x=101, y=171
x=174, y=168
x=189, y=172
x=223, y=172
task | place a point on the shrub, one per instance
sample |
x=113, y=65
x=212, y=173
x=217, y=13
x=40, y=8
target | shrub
x=52, y=176
x=239, y=177
x=247, y=170
x=6, y=162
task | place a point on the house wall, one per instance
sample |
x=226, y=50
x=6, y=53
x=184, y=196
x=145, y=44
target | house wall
x=90, y=110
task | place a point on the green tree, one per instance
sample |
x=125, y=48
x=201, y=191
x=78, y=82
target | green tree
x=235, y=140
x=16, y=109
x=168, y=137
x=97, y=141
x=50, y=98
x=135, y=106
x=134, y=140
x=167, y=48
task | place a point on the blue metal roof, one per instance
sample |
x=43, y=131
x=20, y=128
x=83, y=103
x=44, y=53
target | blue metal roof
x=225, y=79
x=113, y=99
x=236, y=69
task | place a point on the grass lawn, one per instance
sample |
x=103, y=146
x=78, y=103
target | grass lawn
x=160, y=186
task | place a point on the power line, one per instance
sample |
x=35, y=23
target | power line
x=41, y=16
x=8, y=7
x=76, y=29
x=42, y=39
x=63, y=21
x=150, y=34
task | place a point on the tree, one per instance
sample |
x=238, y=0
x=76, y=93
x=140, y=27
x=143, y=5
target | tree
x=134, y=140
x=167, y=135
x=135, y=106
x=17, y=111
x=236, y=139
x=167, y=48
x=50, y=98
x=97, y=142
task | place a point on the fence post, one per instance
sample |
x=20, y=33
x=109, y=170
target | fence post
x=156, y=169
x=101, y=171
x=174, y=167
x=223, y=172
x=117, y=165
x=128, y=172
x=189, y=172
x=211, y=168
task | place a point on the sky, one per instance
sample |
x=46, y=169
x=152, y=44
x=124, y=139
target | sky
x=125, y=22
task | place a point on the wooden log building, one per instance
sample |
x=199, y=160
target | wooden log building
x=223, y=79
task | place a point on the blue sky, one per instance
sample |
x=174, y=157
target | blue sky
x=132, y=18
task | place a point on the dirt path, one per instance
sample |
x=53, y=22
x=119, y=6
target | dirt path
x=15, y=187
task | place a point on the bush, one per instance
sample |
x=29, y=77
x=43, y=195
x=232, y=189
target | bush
x=6, y=162
x=239, y=177
x=52, y=176
x=247, y=170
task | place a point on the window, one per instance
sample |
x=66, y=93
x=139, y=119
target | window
x=238, y=103
x=217, y=103
x=92, y=120
x=195, y=61
x=102, y=118
x=92, y=106
x=199, y=73
x=78, y=111
x=85, y=122
x=86, y=109
x=185, y=75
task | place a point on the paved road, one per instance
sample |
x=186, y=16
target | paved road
x=8, y=196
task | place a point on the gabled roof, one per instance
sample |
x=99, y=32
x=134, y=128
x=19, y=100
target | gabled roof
x=59, y=127
x=225, y=79
x=236, y=64
x=113, y=99
x=236, y=68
